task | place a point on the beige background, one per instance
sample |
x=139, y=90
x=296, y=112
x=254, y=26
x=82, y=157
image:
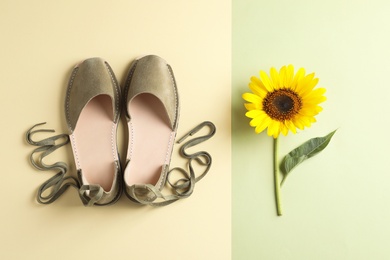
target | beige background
x=336, y=205
x=41, y=42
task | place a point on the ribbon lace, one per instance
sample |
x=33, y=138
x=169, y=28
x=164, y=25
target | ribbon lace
x=183, y=187
x=59, y=183
x=89, y=194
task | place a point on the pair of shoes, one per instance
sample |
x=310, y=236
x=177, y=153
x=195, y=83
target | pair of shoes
x=93, y=107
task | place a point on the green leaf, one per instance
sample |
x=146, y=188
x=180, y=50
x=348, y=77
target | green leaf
x=304, y=151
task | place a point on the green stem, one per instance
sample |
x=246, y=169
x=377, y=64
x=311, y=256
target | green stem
x=283, y=179
x=276, y=178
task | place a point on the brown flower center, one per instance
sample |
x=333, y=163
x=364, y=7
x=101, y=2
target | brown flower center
x=282, y=104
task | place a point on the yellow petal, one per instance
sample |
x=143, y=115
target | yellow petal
x=289, y=76
x=253, y=113
x=274, y=129
x=257, y=90
x=300, y=74
x=314, y=82
x=258, y=82
x=315, y=100
x=283, y=129
x=298, y=123
x=266, y=81
x=283, y=75
x=275, y=78
x=305, y=121
x=251, y=106
x=276, y=134
x=306, y=84
x=314, y=93
x=251, y=98
x=263, y=125
x=257, y=120
x=290, y=125
x=310, y=113
x=318, y=109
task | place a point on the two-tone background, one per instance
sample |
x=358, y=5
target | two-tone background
x=336, y=205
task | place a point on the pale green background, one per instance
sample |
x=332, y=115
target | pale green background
x=336, y=206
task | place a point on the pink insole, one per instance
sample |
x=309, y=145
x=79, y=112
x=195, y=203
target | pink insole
x=94, y=142
x=150, y=140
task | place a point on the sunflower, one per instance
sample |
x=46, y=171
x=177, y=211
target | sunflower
x=283, y=102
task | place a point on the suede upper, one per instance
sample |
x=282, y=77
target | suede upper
x=151, y=74
x=89, y=79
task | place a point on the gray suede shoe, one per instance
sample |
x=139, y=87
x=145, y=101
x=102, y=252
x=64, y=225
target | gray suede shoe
x=92, y=110
x=152, y=113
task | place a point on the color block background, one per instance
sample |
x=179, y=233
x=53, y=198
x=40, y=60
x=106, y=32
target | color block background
x=41, y=41
x=336, y=206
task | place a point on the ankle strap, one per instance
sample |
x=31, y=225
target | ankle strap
x=184, y=186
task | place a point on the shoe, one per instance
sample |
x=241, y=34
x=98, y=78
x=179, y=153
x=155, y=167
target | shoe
x=92, y=111
x=152, y=111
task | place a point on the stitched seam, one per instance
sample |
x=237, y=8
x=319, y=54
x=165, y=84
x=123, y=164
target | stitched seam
x=127, y=89
x=128, y=81
x=160, y=182
x=117, y=102
x=131, y=141
x=116, y=90
x=68, y=97
x=175, y=91
x=113, y=141
x=76, y=155
x=169, y=148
